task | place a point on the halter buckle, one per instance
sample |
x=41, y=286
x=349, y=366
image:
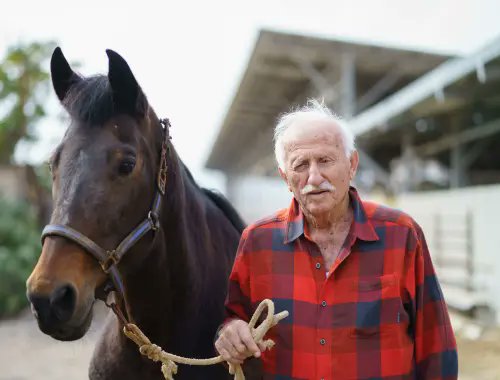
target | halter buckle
x=154, y=222
x=111, y=260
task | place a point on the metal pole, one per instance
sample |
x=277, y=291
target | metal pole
x=348, y=85
x=470, y=250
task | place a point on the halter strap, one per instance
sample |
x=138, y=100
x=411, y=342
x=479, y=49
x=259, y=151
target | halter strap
x=111, y=258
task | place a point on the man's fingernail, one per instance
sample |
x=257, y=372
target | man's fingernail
x=257, y=354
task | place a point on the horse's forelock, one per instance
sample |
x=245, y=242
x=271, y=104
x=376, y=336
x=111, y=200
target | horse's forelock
x=90, y=101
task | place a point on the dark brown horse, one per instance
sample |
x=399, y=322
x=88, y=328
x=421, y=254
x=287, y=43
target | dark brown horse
x=108, y=173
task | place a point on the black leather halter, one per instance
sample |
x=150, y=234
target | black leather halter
x=109, y=259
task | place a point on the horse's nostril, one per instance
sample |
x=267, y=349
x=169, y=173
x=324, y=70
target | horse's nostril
x=41, y=307
x=62, y=302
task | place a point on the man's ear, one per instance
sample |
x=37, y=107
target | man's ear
x=283, y=175
x=354, y=164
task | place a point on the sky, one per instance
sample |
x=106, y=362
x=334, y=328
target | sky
x=189, y=56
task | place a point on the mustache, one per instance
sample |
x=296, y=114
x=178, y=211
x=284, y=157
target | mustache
x=324, y=186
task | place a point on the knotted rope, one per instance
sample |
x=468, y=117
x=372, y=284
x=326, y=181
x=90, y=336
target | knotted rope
x=169, y=368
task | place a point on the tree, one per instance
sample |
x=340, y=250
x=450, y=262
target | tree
x=23, y=91
x=24, y=84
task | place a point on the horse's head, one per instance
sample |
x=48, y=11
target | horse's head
x=104, y=175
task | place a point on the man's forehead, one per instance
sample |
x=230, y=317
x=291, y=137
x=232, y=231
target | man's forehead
x=303, y=131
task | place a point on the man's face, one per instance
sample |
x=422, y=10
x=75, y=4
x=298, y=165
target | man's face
x=317, y=169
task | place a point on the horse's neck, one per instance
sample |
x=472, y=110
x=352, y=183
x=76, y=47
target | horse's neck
x=159, y=291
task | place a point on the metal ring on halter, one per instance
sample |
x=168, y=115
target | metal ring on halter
x=111, y=260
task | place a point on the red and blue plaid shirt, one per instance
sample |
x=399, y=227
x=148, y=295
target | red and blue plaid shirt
x=378, y=315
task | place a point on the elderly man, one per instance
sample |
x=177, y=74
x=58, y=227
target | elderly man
x=356, y=277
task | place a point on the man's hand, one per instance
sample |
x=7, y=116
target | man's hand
x=235, y=342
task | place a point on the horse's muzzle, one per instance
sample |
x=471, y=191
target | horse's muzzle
x=54, y=311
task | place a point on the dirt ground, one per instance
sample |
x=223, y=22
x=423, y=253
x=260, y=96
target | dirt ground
x=478, y=351
x=27, y=354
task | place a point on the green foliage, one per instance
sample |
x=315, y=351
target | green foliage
x=19, y=249
x=24, y=84
x=23, y=92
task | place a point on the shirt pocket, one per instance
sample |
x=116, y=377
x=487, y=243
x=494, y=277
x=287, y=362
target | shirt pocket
x=379, y=309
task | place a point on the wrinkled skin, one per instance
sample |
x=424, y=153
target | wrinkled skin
x=314, y=155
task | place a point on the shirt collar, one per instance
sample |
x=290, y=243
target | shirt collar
x=362, y=228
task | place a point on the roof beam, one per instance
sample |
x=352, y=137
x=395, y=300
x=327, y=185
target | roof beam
x=380, y=88
x=282, y=72
x=320, y=82
x=475, y=152
x=431, y=83
x=466, y=136
x=348, y=85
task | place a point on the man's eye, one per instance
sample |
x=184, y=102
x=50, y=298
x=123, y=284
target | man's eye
x=126, y=166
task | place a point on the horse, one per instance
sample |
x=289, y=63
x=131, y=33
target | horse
x=116, y=171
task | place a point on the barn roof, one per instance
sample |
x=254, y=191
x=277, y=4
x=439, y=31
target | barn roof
x=285, y=69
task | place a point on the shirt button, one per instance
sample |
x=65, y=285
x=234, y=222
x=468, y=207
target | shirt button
x=318, y=265
x=322, y=342
x=323, y=303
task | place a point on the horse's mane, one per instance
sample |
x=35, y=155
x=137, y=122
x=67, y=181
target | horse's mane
x=220, y=201
x=229, y=211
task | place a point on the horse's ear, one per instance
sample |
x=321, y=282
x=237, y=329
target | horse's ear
x=127, y=94
x=63, y=77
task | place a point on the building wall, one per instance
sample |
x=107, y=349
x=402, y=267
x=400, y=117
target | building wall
x=483, y=205
x=256, y=197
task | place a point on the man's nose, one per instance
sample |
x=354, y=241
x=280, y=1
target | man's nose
x=315, y=178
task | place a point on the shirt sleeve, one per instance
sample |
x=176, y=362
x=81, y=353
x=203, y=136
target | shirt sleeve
x=238, y=302
x=435, y=346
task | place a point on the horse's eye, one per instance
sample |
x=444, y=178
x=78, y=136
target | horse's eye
x=126, y=166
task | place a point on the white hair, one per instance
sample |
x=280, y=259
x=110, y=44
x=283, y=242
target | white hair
x=314, y=110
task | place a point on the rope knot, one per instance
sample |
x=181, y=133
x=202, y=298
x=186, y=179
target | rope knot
x=152, y=351
x=169, y=368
